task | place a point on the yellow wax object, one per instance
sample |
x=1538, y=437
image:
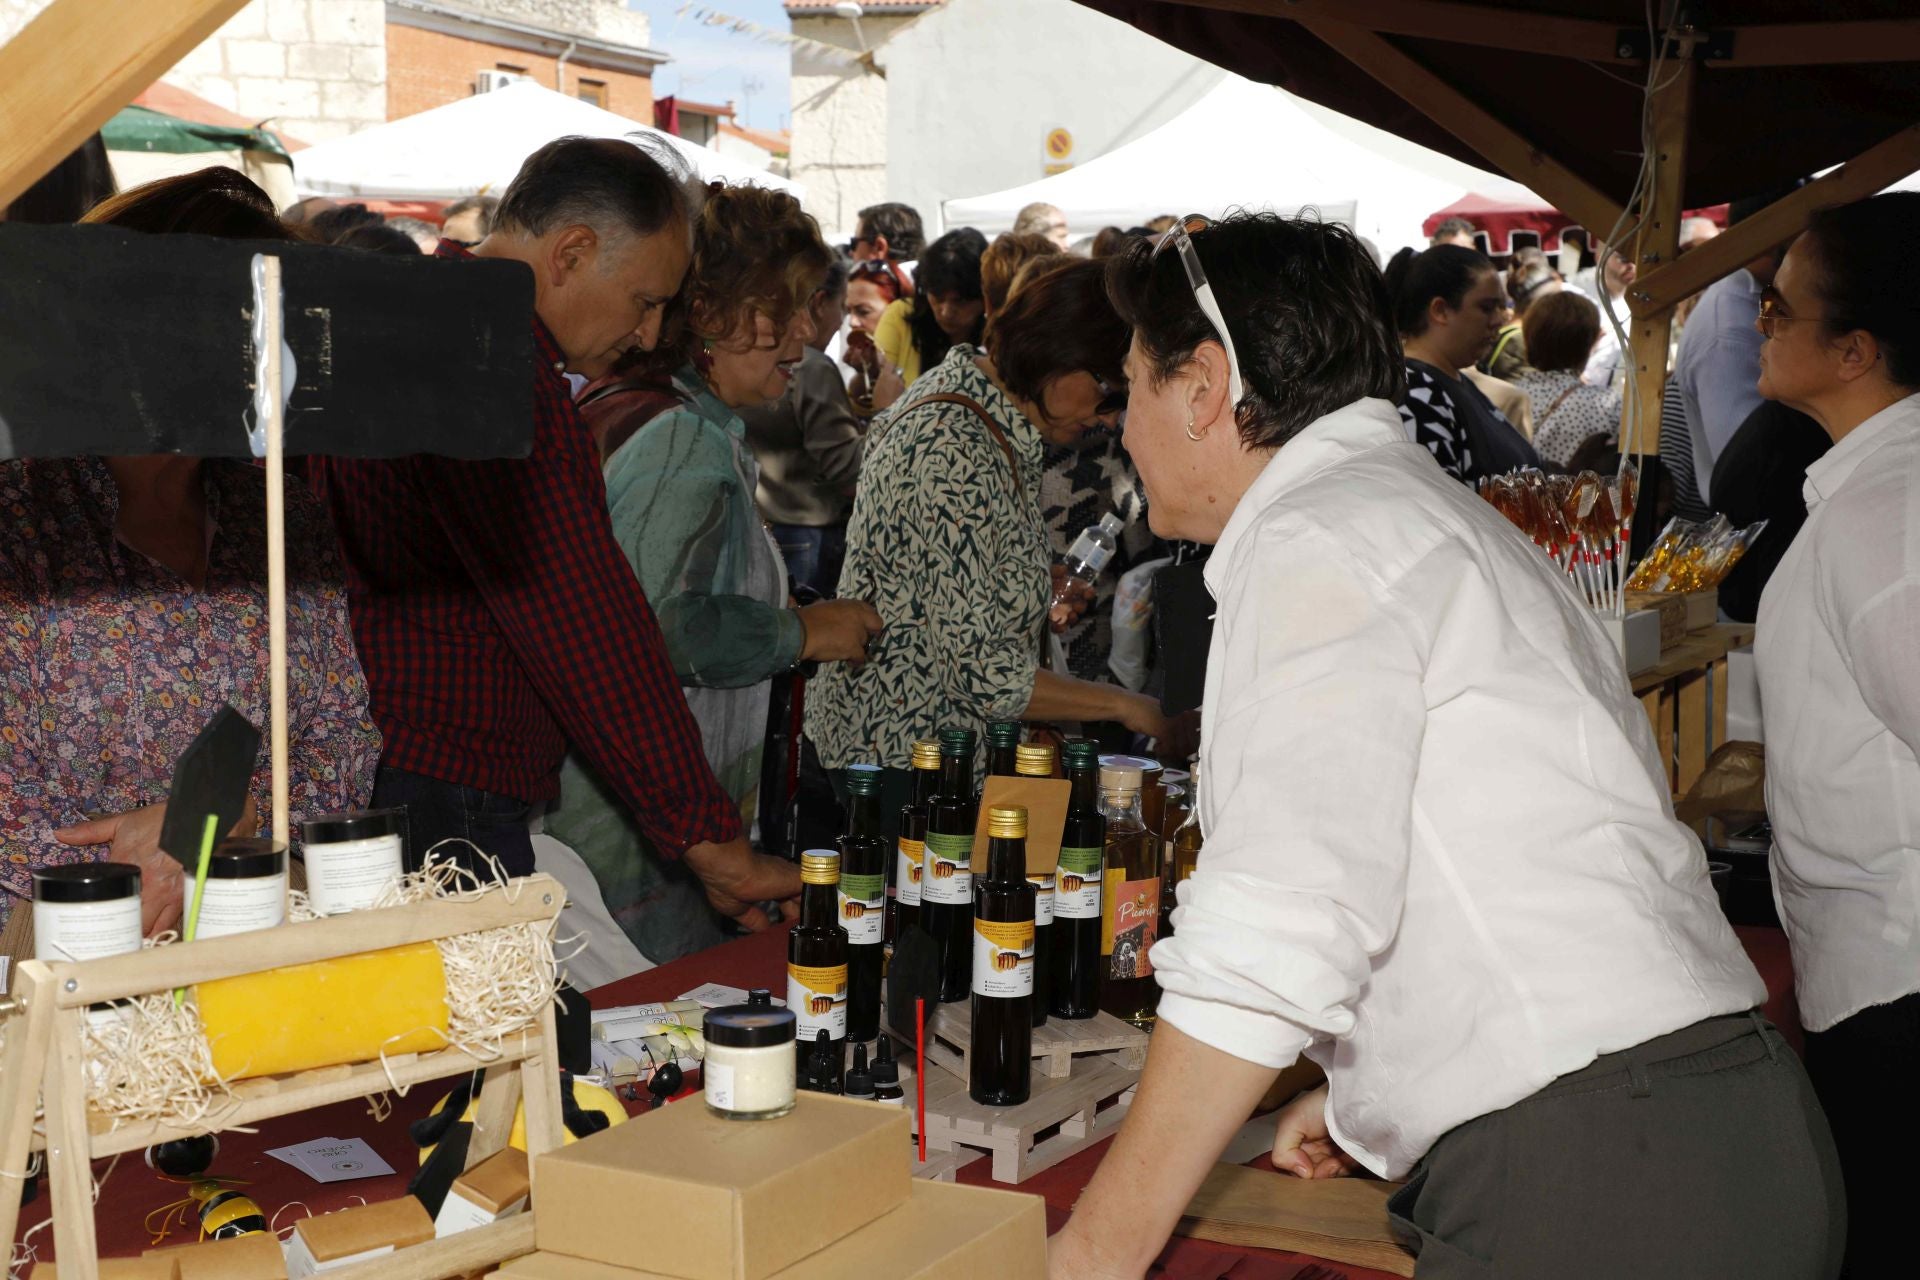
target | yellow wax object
x=591, y=1097
x=327, y=1013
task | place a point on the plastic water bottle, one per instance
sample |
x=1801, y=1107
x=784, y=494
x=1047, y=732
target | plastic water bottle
x=1091, y=552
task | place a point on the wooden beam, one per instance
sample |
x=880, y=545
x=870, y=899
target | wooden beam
x=1512, y=29
x=1873, y=169
x=1814, y=44
x=67, y=72
x=1506, y=149
x=1658, y=242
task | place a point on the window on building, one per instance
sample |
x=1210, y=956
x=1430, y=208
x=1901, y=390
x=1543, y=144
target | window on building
x=594, y=91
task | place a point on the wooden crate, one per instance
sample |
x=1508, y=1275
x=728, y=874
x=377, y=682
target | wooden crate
x=1685, y=699
x=1064, y=1116
x=1057, y=1044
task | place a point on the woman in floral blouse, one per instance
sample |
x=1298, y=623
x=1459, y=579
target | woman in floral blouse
x=133, y=604
x=948, y=541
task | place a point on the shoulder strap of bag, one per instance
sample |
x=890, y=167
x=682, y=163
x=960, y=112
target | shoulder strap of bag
x=1557, y=402
x=999, y=436
x=641, y=401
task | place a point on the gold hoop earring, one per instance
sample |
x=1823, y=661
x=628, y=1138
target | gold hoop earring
x=1195, y=438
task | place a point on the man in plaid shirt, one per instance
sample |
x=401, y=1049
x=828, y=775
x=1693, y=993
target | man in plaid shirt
x=496, y=617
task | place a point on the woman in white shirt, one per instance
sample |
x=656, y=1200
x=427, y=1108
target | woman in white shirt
x=1839, y=663
x=1441, y=859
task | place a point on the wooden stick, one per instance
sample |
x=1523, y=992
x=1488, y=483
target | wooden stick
x=22, y=1063
x=69, y=1158
x=276, y=550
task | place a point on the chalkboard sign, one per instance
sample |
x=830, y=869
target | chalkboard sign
x=115, y=342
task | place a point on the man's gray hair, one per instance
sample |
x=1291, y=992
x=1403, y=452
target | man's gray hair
x=617, y=186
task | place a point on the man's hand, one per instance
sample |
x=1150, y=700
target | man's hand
x=1301, y=1146
x=737, y=879
x=134, y=838
x=1073, y=598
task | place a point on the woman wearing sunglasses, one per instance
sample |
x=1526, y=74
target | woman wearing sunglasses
x=1441, y=861
x=947, y=539
x=1839, y=662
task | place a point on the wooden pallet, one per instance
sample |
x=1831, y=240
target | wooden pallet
x=1064, y=1116
x=1057, y=1045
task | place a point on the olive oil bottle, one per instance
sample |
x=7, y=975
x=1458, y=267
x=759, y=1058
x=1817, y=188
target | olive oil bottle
x=1073, y=968
x=1035, y=760
x=1000, y=1059
x=1130, y=899
x=1183, y=851
x=946, y=891
x=1003, y=747
x=863, y=901
x=817, y=962
x=910, y=855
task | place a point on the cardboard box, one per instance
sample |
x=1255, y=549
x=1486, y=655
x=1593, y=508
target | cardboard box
x=254, y=1257
x=495, y=1188
x=943, y=1232
x=341, y=1239
x=154, y=1266
x=1046, y=801
x=724, y=1199
x=1671, y=609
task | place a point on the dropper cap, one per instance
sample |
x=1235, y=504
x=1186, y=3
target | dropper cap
x=885, y=1069
x=859, y=1079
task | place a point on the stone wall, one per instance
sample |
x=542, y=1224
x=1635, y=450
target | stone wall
x=313, y=69
x=840, y=122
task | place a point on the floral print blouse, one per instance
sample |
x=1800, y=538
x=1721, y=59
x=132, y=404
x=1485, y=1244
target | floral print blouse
x=954, y=555
x=112, y=662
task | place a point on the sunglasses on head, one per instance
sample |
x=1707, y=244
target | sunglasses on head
x=1180, y=237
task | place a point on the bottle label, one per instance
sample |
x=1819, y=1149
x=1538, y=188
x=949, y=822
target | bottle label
x=1131, y=923
x=1002, y=958
x=1076, y=893
x=1042, y=899
x=949, y=870
x=863, y=909
x=906, y=879
x=818, y=997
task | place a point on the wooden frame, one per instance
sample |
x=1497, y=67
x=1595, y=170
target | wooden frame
x=45, y=1044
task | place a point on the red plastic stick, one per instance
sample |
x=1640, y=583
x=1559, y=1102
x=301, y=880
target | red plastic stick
x=920, y=1073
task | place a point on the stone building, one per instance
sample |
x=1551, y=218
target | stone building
x=312, y=69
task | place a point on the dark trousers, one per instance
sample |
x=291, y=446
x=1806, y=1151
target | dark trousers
x=813, y=555
x=459, y=820
x=1865, y=1069
x=1699, y=1155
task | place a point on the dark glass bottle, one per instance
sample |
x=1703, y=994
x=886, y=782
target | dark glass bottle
x=1183, y=849
x=1130, y=899
x=863, y=901
x=946, y=891
x=910, y=858
x=817, y=962
x=1073, y=968
x=1003, y=746
x=1035, y=760
x=1000, y=1056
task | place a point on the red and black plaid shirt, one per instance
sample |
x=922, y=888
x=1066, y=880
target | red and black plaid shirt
x=498, y=620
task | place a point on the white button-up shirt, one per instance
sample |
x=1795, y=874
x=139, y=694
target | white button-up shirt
x=1839, y=660
x=1440, y=857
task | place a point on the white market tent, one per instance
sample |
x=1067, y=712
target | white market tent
x=1255, y=146
x=477, y=144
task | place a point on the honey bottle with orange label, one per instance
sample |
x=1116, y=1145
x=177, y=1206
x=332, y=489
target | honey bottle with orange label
x=863, y=901
x=817, y=963
x=1000, y=1054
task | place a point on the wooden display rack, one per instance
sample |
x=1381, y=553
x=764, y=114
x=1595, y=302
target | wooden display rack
x=1058, y=1044
x=42, y=1059
x=1063, y=1117
x=1686, y=697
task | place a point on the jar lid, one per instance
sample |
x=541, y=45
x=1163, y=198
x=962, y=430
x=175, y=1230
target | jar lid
x=86, y=882
x=247, y=859
x=1147, y=765
x=754, y=1025
x=338, y=828
x=1118, y=777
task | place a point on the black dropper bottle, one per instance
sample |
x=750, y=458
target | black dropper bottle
x=859, y=1078
x=886, y=1075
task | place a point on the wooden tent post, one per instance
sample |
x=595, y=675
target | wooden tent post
x=274, y=410
x=1658, y=242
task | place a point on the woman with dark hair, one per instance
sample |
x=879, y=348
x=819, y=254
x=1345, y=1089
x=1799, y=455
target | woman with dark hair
x=948, y=541
x=1839, y=662
x=133, y=601
x=1447, y=305
x=1561, y=329
x=1441, y=856
x=681, y=483
x=946, y=308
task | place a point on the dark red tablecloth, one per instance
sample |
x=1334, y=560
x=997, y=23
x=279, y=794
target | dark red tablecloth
x=131, y=1191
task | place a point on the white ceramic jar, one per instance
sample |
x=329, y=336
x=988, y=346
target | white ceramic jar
x=351, y=857
x=246, y=888
x=750, y=1064
x=86, y=910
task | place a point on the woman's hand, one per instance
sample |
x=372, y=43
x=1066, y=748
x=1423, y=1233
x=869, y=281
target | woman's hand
x=839, y=631
x=1301, y=1146
x=134, y=838
x=1177, y=737
x=888, y=386
x=1072, y=599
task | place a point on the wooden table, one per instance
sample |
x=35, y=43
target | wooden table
x=132, y=1190
x=1685, y=697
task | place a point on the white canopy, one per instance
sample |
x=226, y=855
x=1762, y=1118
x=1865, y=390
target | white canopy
x=477, y=144
x=1253, y=146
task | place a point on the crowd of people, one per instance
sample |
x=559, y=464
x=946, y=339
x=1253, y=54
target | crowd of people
x=758, y=457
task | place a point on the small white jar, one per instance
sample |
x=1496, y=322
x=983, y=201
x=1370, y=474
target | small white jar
x=86, y=910
x=246, y=888
x=351, y=857
x=750, y=1064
